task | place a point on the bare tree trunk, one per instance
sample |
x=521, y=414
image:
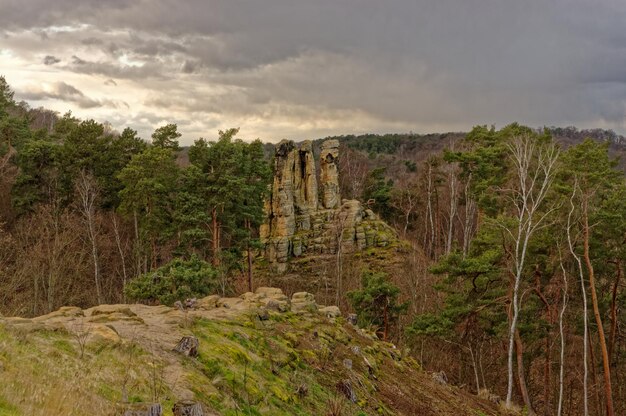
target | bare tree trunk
x=519, y=352
x=340, y=223
x=585, y=308
x=548, y=350
x=470, y=211
x=138, y=248
x=118, y=242
x=430, y=211
x=249, y=255
x=613, y=333
x=608, y=391
x=215, y=243
x=594, y=377
x=562, y=337
x=453, y=208
x=249, y=268
x=475, y=369
x=88, y=192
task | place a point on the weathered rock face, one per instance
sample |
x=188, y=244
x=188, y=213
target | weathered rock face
x=305, y=186
x=280, y=209
x=300, y=222
x=329, y=174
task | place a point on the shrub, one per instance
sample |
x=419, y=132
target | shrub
x=177, y=280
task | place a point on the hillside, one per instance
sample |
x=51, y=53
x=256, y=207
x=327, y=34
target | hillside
x=259, y=354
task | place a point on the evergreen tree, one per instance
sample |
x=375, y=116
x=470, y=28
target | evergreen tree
x=378, y=188
x=230, y=181
x=376, y=303
x=166, y=137
x=148, y=194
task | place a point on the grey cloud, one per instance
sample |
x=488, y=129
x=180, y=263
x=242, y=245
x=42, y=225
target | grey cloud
x=90, y=41
x=50, y=60
x=402, y=64
x=65, y=92
x=78, y=61
x=116, y=70
x=189, y=67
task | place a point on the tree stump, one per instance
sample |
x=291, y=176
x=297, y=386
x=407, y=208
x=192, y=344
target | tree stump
x=345, y=387
x=187, y=408
x=188, y=346
x=141, y=409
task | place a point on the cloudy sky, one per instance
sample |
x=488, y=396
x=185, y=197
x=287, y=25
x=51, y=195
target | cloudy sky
x=309, y=68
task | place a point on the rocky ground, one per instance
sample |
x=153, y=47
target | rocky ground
x=258, y=354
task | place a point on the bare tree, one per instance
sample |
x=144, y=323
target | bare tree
x=470, y=213
x=339, y=226
x=405, y=200
x=454, y=202
x=534, y=167
x=562, y=337
x=596, y=310
x=118, y=243
x=81, y=333
x=584, y=296
x=353, y=168
x=50, y=260
x=88, y=191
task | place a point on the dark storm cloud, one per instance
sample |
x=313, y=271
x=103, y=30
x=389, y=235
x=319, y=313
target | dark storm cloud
x=50, y=60
x=403, y=64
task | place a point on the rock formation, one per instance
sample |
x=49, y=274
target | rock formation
x=329, y=174
x=302, y=219
x=305, y=186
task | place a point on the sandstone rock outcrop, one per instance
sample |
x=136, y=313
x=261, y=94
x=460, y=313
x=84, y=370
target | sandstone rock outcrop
x=329, y=174
x=305, y=186
x=303, y=218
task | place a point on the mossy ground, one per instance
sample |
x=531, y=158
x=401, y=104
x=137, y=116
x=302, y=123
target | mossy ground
x=288, y=364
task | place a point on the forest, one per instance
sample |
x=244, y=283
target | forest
x=511, y=280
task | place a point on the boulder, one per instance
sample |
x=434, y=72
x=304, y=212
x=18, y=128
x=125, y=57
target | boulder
x=207, y=303
x=269, y=291
x=63, y=312
x=231, y=303
x=249, y=297
x=110, y=309
x=115, y=316
x=303, y=302
x=100, y=334
x=275, y=305
x=330, y=311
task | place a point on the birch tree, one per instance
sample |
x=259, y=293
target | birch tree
x=533, y=166
x=562, y=337
x=87, y=191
